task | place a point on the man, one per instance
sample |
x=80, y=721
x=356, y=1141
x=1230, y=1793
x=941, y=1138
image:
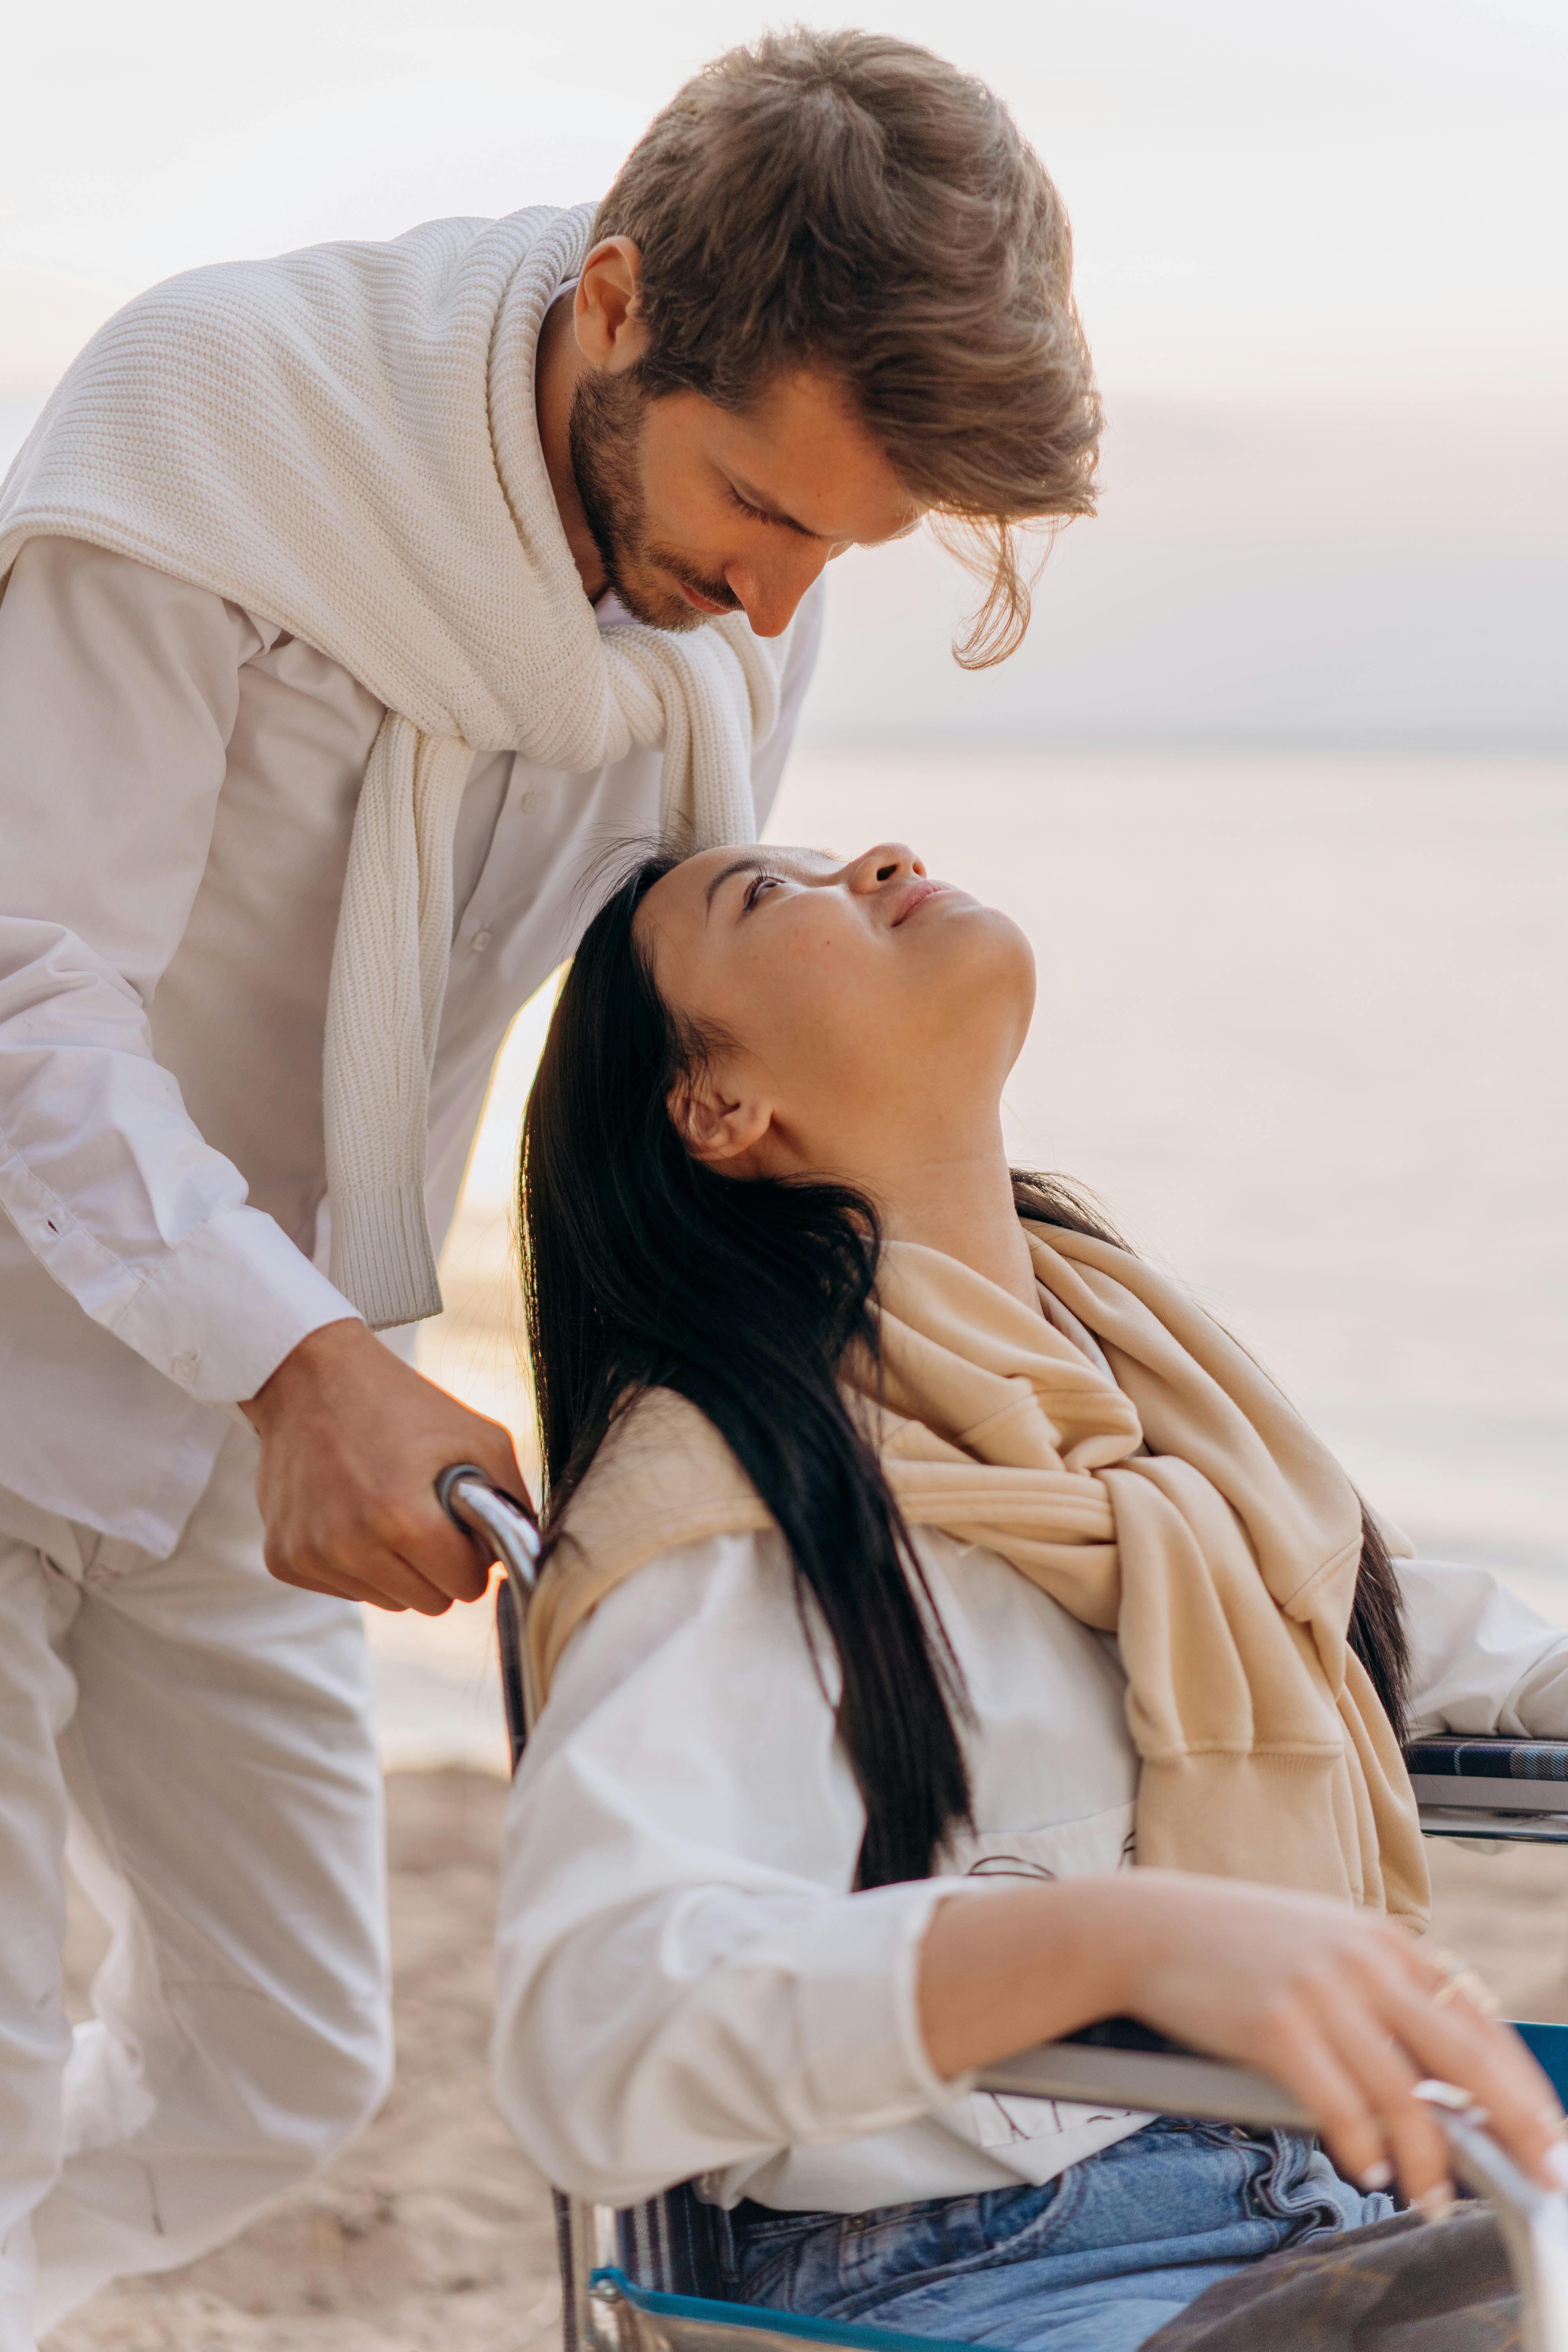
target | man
x=349, y=599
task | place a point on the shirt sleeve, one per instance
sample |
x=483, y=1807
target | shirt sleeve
x=119, y=689
x=685, y=1981
x=1482, y=1661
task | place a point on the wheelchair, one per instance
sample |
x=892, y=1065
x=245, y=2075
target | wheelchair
x=647, y=2278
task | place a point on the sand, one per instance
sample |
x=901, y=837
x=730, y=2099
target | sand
x=433, y=2234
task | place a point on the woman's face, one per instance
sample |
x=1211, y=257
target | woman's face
x=864, y=1011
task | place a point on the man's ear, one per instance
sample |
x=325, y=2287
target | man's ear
x=718, y=1123
x=605, y=312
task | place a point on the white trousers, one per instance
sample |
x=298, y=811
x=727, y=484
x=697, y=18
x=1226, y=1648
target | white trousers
x=205, y=1734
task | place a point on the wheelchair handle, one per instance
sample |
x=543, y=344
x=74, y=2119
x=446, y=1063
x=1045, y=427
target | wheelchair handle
x=479, y=1508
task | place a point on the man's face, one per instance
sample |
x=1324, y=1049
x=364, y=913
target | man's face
x=697, y=510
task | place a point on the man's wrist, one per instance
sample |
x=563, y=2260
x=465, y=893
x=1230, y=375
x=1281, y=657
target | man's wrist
x=303, y=1362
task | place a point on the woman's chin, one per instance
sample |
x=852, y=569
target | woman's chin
x=985, y=949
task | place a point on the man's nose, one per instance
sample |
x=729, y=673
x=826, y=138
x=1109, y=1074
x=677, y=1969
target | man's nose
x=770, y=592
x=888, y=861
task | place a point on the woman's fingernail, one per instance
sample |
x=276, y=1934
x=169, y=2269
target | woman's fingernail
x=1379, y=2175
x=1557, y=2162
x=1436, y=2204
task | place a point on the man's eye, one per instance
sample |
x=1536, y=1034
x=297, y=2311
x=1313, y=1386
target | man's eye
x=756, y=513
x=754, y=889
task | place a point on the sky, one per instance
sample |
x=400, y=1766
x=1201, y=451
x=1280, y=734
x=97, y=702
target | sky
x=1339, y=197
x=1323, y=255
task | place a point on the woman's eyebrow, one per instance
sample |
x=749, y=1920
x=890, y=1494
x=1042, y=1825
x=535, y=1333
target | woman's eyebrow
x=756, y=861
x=751, y=864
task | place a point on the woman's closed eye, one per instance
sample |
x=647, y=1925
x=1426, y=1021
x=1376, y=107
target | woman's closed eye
x=754, y=889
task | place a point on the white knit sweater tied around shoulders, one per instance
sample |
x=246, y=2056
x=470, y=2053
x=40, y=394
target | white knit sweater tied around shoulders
x=343, y=441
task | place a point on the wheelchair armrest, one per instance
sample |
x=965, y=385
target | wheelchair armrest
x=1507, y=1790
x=1120, y=2063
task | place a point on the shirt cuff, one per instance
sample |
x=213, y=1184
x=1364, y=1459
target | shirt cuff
x=856, y=1971
x=220, y=1312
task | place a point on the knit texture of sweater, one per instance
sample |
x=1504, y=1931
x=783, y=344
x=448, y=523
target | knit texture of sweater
x=343, y=441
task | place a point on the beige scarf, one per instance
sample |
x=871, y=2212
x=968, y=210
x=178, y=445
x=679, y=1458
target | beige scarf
x=1224, y=1558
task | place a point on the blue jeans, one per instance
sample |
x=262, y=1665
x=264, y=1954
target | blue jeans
x=1094, y=2261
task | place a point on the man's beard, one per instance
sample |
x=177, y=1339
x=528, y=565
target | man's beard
x=604, y=435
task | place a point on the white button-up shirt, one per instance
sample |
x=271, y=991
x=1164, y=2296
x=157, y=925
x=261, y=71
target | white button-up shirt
x=178, y=782
x=687, y=1985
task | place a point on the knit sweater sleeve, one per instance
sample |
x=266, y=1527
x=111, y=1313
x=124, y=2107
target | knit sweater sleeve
x=118, y=688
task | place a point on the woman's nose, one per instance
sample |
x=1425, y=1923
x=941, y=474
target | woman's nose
x=890, y=861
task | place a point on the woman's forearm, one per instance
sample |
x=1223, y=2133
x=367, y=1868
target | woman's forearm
x=1015, y=1965
x=1340, y=2006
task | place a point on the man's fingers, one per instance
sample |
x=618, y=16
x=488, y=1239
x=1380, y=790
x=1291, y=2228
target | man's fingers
x=370, y=1572
x=434, y=1547
x=340, y=1588
x=397, y=1581
x=444, y=1556
x=412, y=1558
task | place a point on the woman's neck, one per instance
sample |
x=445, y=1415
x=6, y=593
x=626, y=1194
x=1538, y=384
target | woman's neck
x=964, y=1208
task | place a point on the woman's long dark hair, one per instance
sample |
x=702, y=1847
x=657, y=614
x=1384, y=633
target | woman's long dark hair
x=643, y=1268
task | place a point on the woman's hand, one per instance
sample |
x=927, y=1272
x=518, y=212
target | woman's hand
x=1338, y=2005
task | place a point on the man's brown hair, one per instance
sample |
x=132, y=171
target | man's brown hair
x=847, y=202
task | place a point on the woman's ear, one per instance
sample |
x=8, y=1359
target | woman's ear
x=717, y=1122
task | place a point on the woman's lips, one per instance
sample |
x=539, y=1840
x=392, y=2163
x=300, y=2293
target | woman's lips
x=916, y=893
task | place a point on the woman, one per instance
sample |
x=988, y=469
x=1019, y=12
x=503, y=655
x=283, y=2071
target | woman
x=918, y=1555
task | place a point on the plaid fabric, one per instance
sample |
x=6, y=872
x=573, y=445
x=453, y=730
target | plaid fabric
x=569, y=2330
x=1452, y=1758
x=1445, y=2286
x=671, y=2245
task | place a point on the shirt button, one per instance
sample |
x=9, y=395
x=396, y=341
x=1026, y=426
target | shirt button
x=530, y=802
x=481, y=940
x=185, y=1367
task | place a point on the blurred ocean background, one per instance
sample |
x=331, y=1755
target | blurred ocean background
x=1278, y=783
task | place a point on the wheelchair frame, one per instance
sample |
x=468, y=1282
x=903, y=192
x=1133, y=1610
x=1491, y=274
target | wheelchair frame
x=637, y=2280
